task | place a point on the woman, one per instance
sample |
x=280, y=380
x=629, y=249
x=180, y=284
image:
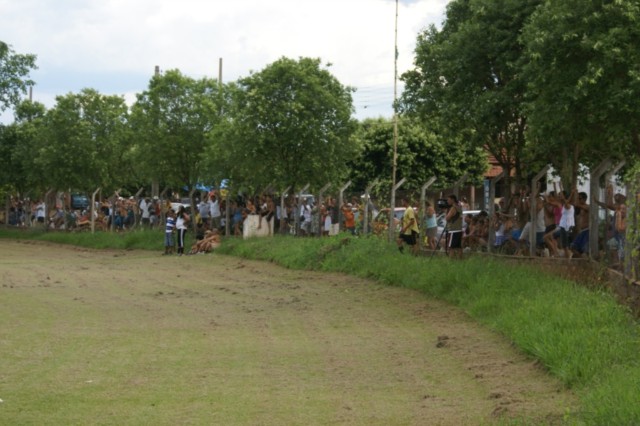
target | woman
x=182, y=218
x=431, y=226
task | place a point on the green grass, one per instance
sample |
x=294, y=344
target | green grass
x=582, y=336
x=136, y=239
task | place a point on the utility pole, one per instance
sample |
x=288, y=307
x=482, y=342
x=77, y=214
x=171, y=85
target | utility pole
x=392, y=229
x=155, y=183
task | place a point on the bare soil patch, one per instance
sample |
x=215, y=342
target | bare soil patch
x=253, y=343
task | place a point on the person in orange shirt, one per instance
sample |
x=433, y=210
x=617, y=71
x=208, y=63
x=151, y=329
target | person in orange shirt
x=349, y=218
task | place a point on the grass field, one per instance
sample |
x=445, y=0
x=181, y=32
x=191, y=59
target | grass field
x=132, y=337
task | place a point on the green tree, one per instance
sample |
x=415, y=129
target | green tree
x=14, y=72
x=17, y=146
x=290, y=124
x=82, y=141
x=421, y=154
x=171, y=123
x=583, y=71
x=467, y=77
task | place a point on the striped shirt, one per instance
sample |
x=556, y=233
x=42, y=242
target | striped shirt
x=171, y=223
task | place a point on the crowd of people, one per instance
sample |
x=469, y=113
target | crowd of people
x=561, y=221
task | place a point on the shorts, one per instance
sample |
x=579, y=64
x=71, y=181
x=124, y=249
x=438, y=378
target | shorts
x=563, y=234
x=581, y=242
x=410, y=239
x=431, y=233
x=455, y=239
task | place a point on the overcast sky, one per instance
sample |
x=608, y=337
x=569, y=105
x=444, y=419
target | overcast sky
x=113, y=46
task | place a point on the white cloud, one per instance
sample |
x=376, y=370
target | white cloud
x=89, y=41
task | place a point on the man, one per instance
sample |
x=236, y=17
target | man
x=580, y=244
x=203, y=210
x=454, y=226
x=214, y=212
x=305, y=213
x=349, y=218
x=409, y=229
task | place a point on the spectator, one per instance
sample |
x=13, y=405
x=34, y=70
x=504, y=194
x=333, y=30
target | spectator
x=454, y=226
x=305, y=214
x=154, y=212
x=409, y=229
x=236, y=218
x=430, y=226
x=566, y=225
x=267, y=211
x=40, y=211
x=618, y=224
x=210, y=241
x=168, y=232
x=523, y=240
x=349, y=218
x=580, y=244
x=145, y=213
x=182, y=219
x=204, y=211
x=215, y=211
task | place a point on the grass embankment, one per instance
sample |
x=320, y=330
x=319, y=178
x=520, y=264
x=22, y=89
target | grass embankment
x=143, y=240
x=581, y=336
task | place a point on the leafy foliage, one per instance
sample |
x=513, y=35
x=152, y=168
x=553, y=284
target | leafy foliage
x=467, y=76
x=171, y=121
x=581, y=64
x=14, y=70
x=290, y=123
x=422, y=153
x=82, y=140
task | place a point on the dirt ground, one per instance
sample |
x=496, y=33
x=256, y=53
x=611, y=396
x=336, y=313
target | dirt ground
x=371, y=352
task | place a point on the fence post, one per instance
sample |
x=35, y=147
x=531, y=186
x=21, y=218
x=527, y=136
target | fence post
x=491, y=207
x=423, y=199
x=340, y=202
x=456, y=187
x=296, y=216
x=594, y=194
x=283, y=210
x=227, y=210
x=47, y=210
x=533, y=209
x=392, y=216
x=609, y=179
x=92, y=210
x=194, y=210
x=318, y=204
x=163, y=214
x=367, y=201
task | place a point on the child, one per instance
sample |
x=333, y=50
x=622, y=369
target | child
x=168, y=233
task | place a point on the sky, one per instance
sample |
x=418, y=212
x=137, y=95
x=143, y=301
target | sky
x=113, y=46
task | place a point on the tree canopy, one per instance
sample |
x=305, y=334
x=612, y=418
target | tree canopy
x=583, y=73
x=14, y=73
x=534, y=82
x=290, y=124
x=422, y=153
x=171, y=122
x=467, y=76
x=82, y=141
